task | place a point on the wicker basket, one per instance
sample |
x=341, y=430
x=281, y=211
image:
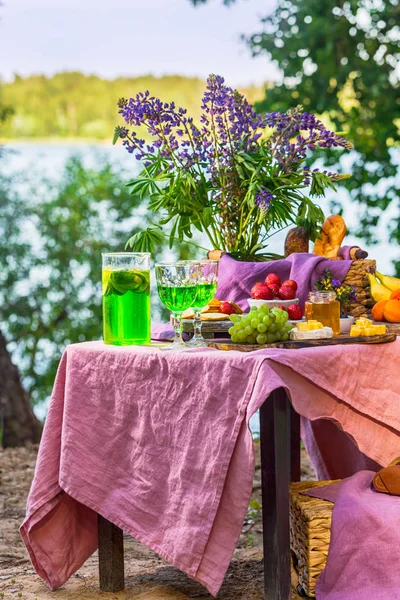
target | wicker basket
x=357, y=276
x=310, y=533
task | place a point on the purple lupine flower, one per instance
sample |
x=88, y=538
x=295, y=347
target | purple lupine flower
x=263, y=198
x=336, y=283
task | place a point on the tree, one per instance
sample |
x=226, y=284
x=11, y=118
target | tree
x=340, y=57
x=18, y=423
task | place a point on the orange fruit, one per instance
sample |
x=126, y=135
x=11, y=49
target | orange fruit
x=377, y=311
x=391, y=311
x=395, y=295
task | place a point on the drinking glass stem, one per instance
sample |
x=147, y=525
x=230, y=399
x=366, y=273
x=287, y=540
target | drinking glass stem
x=178, y=328
x=197, y=325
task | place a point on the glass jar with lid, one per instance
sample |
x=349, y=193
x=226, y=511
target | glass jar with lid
x=323, y=307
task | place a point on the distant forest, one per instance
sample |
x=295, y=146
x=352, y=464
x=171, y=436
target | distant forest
x=74, y=105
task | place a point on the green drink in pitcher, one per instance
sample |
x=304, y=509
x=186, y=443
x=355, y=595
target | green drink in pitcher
x=126, y=298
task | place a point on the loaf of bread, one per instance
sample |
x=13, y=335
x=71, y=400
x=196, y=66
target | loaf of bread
x=332, y=235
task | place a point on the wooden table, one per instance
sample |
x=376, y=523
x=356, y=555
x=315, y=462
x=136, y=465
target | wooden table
x=280, y=464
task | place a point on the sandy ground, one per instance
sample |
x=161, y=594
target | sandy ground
x=147, y=577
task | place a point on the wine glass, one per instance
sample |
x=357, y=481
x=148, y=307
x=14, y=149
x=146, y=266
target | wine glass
x=177, y=288
x=206, y=289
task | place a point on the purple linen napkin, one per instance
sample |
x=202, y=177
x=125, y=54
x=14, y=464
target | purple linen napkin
x=364, y=553
x=235, y=278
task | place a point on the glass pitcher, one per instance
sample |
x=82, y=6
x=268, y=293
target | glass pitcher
x=126, y=298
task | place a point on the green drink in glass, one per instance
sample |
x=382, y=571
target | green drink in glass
x=126, y=298
x=177, y=288
x=206, y=290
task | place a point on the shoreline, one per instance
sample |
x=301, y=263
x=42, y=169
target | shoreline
x=56, y=141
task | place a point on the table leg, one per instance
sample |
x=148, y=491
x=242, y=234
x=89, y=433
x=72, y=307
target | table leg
x=111, y=556
x=295, y=450
x=275, y=469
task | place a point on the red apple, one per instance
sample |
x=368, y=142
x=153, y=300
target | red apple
x=286, y=292
x=274, y=287
x=260, y=291
x=291, y=283
x=272, y=279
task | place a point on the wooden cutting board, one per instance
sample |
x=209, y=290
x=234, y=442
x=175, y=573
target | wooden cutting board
x=295, y=344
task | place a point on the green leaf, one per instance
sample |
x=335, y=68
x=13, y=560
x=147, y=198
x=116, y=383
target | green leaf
x=255, y=505
x=117, y=132
x=146, y=240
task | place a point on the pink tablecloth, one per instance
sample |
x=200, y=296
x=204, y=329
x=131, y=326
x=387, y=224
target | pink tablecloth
x=159, y=444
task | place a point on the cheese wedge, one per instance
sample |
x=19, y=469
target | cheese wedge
x=312, y=334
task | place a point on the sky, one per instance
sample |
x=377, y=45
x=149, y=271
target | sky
x=133, y=37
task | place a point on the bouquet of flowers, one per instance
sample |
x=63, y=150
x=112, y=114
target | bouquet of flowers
x=237, y=176
x=345, y=294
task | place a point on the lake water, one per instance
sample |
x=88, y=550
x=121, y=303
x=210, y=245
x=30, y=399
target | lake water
x=38, y=160
x=49, y=159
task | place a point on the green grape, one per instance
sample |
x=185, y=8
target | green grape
x=270, y=338
x=253, y=309
x=234, y=339
x=288, y=327
x=267, y=320
x=261, y=338
x=245, y=321
x=285, y=337
x=241, y=335
x=273, y=328
x=262, y=328
x=248, y=329
x=235, y=318
x=263, y=309
x=231, y=330
x=254, y=322
x=285, y=316
x=251, y=339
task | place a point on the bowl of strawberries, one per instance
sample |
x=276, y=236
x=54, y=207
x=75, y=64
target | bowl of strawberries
x=273, y=292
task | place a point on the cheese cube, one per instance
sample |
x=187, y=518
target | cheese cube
x=355, y=331
x=309, y=326
x=363, y=322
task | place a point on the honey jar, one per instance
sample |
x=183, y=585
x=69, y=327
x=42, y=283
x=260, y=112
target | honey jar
x=323, y=307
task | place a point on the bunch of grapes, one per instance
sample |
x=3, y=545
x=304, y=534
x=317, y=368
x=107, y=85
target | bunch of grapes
x=260, y=326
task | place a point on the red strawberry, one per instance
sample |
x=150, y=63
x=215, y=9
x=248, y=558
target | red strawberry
x=274, y=287
x=295, y=312
x=229, y=308
x=272, y=278
x=282, y=307
x=286, y=292
x=291, y=283
x=260, y=291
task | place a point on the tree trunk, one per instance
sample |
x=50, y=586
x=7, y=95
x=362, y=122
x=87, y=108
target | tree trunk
x=18, y=423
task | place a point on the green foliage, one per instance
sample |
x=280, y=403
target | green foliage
x=50, y=251
x=51, y=239
x=74, y=105
x=340, y=60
